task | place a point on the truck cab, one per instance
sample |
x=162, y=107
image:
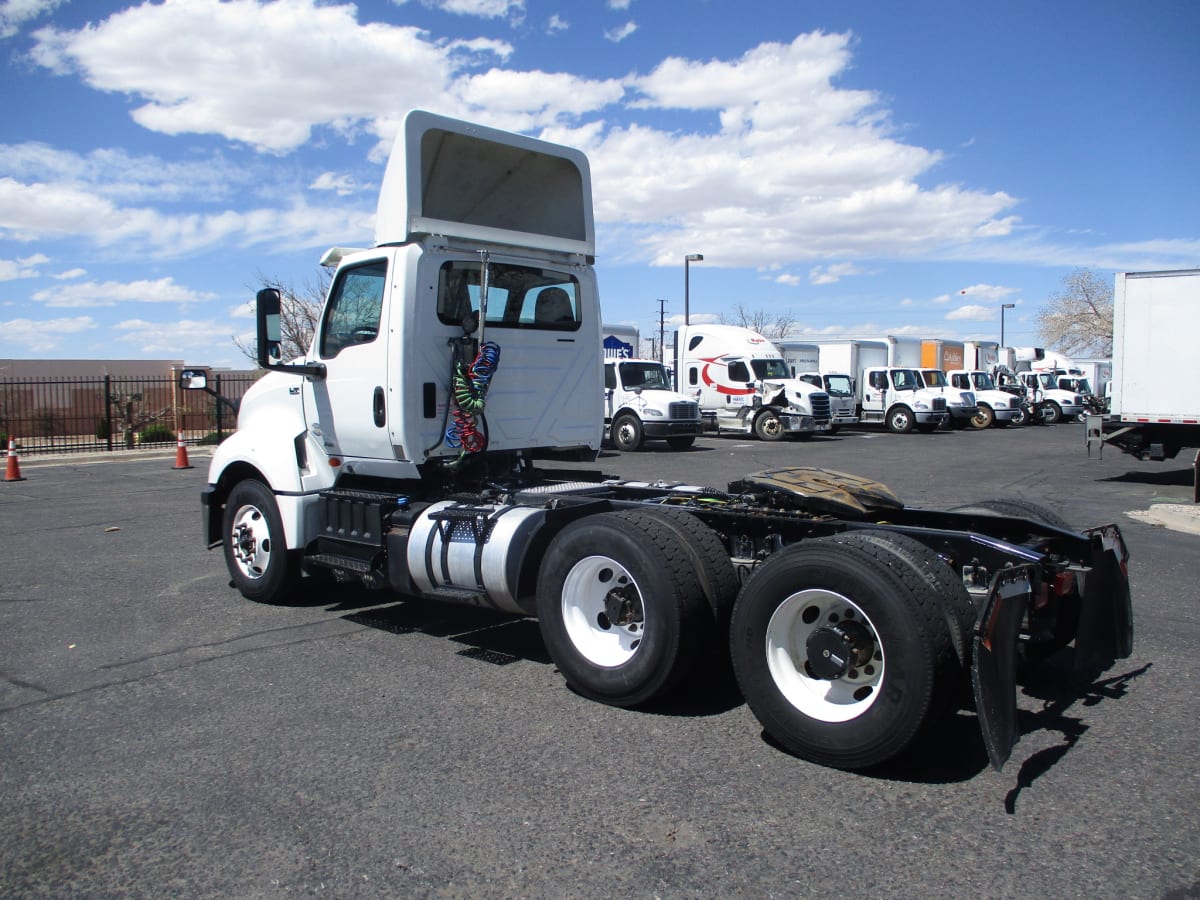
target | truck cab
x=898, y=398
x=743, y=385
x=843, y=408
x=995, y=407
x=1057, y=405
x=640, y=405
x=961, y=404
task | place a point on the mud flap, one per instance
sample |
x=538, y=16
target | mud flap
x=1105, y=631
x=994, y=666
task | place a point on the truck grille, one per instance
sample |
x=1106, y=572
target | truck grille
x=820, y=406
x=684, y=409
x=939, y=404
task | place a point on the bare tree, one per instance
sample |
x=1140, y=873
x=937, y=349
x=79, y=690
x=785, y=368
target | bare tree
x=1078, y=319
x=772, y=326
x=300, y=313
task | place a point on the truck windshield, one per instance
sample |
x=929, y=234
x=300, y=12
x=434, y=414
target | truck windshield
x=935, y=378
x=770, y=368
x=838, y=385
x=518, y=296
x=905, y=380
x=982, y=381
x=645, y=375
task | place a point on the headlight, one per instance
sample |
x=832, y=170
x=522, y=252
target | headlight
x=1001, y=404
x=652, y=412
x=921, y=404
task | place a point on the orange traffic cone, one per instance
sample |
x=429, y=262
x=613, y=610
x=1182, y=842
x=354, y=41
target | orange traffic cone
x=12, y=471
x=181, y=460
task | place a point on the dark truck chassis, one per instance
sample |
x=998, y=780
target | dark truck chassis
x=988, y=585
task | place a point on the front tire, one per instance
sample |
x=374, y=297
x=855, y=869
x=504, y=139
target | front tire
x=985, y=418
x=900, y=420
x=626, y=433
x=256, y=552
x=1052, y=413
x=768, y=426
x=620, y=607
x=842, y=651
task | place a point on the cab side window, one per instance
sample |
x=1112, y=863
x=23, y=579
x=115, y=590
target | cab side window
x=738, y=371
x=355, y=304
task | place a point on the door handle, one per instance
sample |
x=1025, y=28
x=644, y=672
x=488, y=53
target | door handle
x=380, y=408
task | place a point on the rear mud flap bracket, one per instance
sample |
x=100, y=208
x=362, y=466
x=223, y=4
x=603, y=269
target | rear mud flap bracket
x=994, y=662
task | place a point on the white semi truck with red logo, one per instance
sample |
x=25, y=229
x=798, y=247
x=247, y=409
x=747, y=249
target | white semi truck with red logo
x=743, y=384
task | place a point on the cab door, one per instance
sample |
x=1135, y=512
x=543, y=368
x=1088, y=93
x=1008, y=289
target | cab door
x=346, y=412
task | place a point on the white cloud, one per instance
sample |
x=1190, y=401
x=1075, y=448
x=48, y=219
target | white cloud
x=22, y=336
x=993, y=292
x=832, y=274
x=342, y=185
x=173, y=338
x=972, y=313
x=556, y=23
x=69, y=274
x=616, y=35
x=618, y=5
x=12, y=269
x=270, y=100
x=789, y=280
x=15, y=13
x=486, y=9
x=110, y=293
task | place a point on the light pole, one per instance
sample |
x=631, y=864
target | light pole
x=687, y=261
x=1003, y=307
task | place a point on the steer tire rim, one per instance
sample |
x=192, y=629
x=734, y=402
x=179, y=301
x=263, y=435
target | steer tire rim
x=602, y=611
x=251, y=541
x=828, y=699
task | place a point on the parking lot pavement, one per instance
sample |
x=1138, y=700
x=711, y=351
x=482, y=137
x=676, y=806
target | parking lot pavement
x=162, y=736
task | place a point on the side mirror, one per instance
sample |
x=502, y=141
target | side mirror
x=269, y=318
x=270, y=331
x=193, y=379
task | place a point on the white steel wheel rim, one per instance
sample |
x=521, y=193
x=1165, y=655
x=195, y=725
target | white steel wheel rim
x=600, y=641
x=795, y=619
x=625, y=432
x=250, y=538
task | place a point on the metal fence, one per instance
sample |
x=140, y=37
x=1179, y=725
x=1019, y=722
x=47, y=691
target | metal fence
x=115, y=413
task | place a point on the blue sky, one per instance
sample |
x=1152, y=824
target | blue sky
x=863, y=167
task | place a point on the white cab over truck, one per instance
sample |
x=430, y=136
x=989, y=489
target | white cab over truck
x=401, y=453
x=743, y=385
x=890, y=395
x=804, y=362
x=937, y=358
x=641, y=405
x=1155, y=405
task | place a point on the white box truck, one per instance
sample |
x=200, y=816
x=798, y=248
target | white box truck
x=743, y=385
x=401, y=453
x=1155, y=410
x=891, y=395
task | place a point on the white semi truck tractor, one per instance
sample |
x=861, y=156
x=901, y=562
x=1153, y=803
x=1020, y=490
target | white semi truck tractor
x=401, y=452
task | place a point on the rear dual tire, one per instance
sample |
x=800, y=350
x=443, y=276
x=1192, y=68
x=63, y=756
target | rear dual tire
x=844, y=650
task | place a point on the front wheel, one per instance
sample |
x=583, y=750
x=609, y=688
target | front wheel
x=900, y=420
x=626, y=432
x=768, y=426
x=842, y=652
x=984, y=418
x=1051, y=413
x=620, y=607
x=256, y=552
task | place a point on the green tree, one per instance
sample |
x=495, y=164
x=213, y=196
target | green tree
x=1078, y=318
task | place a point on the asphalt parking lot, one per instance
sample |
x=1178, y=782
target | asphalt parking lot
x=162, y=736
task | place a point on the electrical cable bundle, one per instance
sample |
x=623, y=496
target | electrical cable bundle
x=469, y=386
